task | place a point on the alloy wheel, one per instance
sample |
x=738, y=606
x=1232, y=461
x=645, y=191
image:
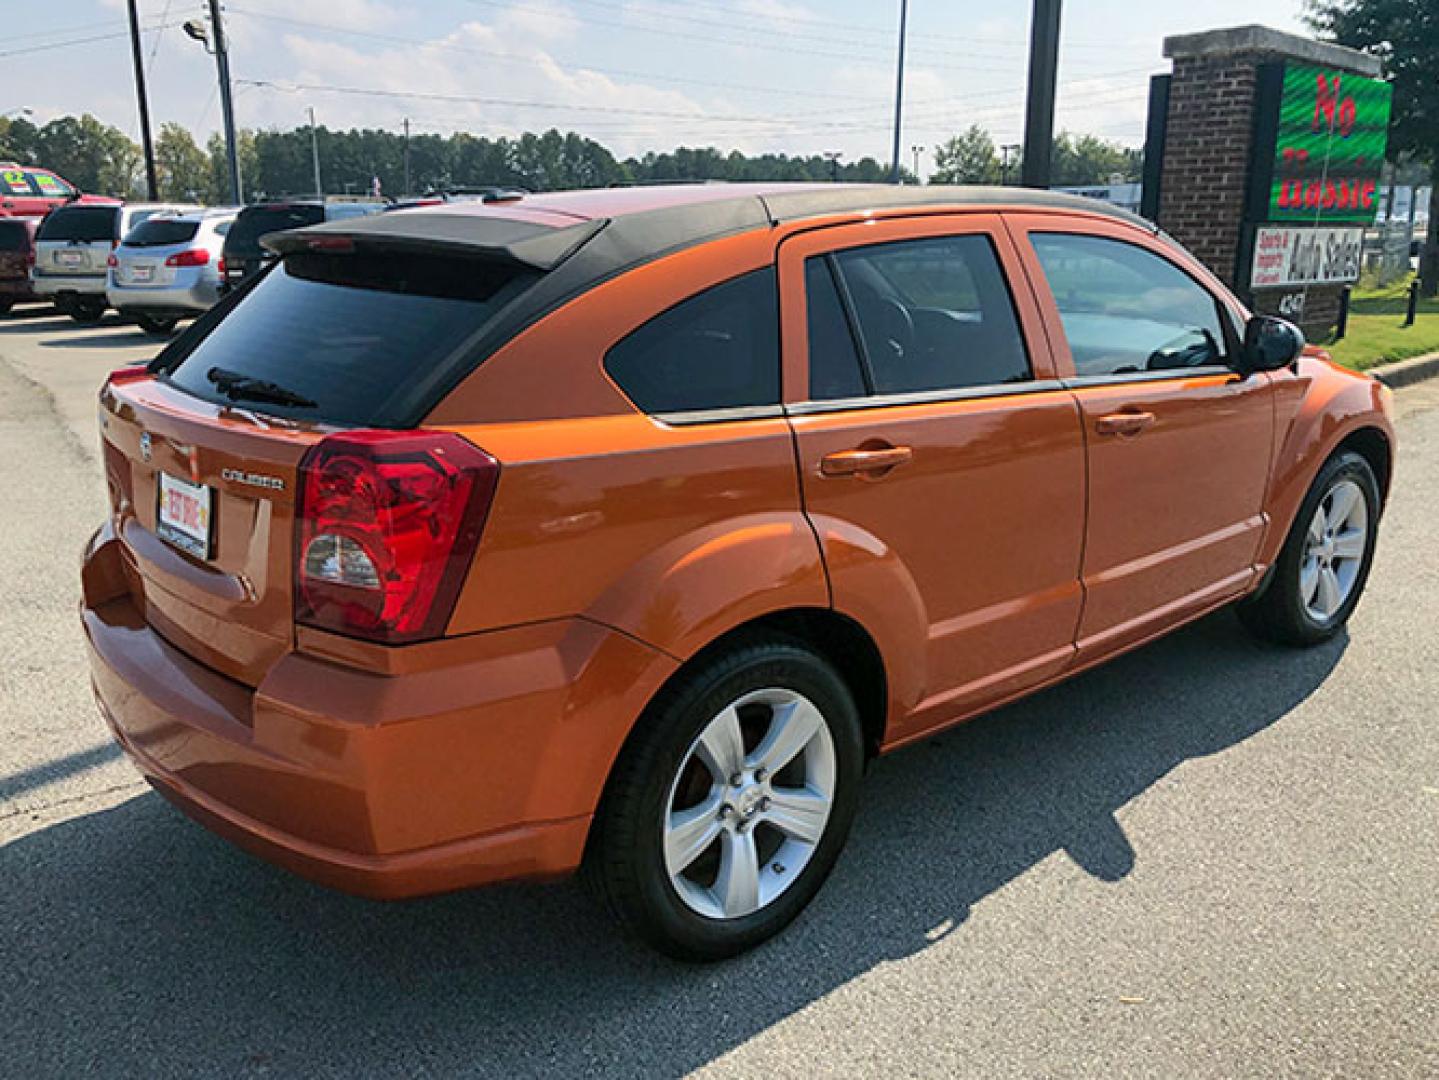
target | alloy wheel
x=1334, y=549
x=749, y=804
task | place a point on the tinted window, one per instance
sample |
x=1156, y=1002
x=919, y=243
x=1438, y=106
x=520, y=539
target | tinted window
x=84, y=223
x=258, y=221
x=14, y=236
x=716, y=350
x=157, y=232
x=363, y=338
x=834, y=369
x=934, y=314
x=1127, y=310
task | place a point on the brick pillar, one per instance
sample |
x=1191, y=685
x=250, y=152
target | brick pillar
x=1210, y=155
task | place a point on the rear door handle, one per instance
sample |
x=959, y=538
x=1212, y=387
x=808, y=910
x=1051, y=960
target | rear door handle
x=855, y=462
x=1124, y=423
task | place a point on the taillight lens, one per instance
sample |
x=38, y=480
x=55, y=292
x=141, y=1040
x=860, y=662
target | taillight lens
x=388, y=524
x=220, y=266
x=112, y=262
x=192, y=257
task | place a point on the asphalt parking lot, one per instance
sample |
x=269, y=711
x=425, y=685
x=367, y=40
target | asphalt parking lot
x=1211, y=858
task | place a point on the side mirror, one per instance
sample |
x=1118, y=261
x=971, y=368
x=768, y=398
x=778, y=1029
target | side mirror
x=1269, y=344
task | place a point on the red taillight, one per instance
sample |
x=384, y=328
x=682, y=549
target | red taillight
x=192, y=257
x=112, y=262
x=388, y=523
x=128, y=374
x=220, y=266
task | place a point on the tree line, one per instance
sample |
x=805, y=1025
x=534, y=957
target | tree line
x=104, y=160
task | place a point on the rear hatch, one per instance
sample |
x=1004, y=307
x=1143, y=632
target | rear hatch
x=204, y=449
x=15, y=248
x=140, y=261
x=243, y=253
x=77, y=240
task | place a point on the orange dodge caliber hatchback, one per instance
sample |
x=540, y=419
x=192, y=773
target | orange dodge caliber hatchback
x=619, y=528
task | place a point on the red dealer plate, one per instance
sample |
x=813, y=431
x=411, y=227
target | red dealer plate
x=185, y=518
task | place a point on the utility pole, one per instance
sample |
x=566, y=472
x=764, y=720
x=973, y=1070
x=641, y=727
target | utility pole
x=1007, y=154
x=1034, y=170
x=152, y=188
x=899, y=92
x=833, y=156
x=407, y=157
x=916, y=149
x=227, y=105
x=315, y=153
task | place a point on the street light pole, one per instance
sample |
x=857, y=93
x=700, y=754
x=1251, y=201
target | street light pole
x=315, y=153
x=407, y=157
x=227, y=105
x=899, y=92
x=152, y=188
x=1034, y=170
x=917, y=150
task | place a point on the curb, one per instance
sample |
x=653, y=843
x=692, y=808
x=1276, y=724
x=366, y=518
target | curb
x=1407, y=372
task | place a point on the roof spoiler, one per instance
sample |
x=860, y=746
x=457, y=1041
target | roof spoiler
x=455, y=236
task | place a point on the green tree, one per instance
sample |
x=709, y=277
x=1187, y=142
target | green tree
x=1405, y=35
x=1088, y=159
x=184, y=169
x=96, y=157
x=968, y=158
x=19, y=141
x=219, y=184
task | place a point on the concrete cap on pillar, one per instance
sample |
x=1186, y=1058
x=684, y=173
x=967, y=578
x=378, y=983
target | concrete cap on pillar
x=1262, y=41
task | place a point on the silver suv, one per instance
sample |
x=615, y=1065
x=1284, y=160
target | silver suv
x=73, y=247
x=169, y=267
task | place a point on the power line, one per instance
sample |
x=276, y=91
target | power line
x=82, y=40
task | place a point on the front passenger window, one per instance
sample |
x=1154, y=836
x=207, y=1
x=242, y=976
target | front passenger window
x=1126, y=310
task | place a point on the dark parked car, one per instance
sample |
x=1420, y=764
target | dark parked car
x=17, y=254
x=243, y=254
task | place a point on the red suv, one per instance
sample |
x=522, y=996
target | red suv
x=17, y=255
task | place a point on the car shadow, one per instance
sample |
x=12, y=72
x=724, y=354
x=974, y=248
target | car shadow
x=133, y=937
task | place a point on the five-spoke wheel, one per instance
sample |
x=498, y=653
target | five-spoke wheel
x=731, y=802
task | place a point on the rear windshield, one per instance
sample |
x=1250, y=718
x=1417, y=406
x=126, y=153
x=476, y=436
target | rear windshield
x=157, y=232
x=366, y=339
x=83, y=223
x=254, y=222
x=14, y=236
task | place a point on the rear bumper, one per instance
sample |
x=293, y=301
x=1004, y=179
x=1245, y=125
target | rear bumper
x=52, y=285
x=179, y=299
x=485, y=768
x=17, y=289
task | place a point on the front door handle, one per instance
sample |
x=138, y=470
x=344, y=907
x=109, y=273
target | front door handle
x=1124, y=423
x=857, y=462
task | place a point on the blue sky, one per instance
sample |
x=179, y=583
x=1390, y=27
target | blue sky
x=796, y=75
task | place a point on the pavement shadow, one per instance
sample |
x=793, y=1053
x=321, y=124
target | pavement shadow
x=136, y=943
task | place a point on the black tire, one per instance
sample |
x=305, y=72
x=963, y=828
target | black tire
x=6, y=303
x=156, y=325
x=625, y=862
x=1279, y=612
x=87, y=310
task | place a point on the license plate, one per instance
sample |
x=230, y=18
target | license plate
x=69, y=258
x=185, y=518
x=141, y=273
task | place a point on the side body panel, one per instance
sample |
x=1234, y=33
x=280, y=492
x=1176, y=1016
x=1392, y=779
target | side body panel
x=963, y=561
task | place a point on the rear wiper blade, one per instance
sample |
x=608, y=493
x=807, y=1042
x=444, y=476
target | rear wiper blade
x=237, y=387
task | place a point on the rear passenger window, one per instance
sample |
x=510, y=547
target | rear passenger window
x=934, y=314
x=834, y=370
x=717, y=350
x=1125, y=309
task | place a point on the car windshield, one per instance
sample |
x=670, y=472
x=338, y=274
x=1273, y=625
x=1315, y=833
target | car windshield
x=364, y=338
x=254, y=222
x=85, y=224
x=158, y=232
